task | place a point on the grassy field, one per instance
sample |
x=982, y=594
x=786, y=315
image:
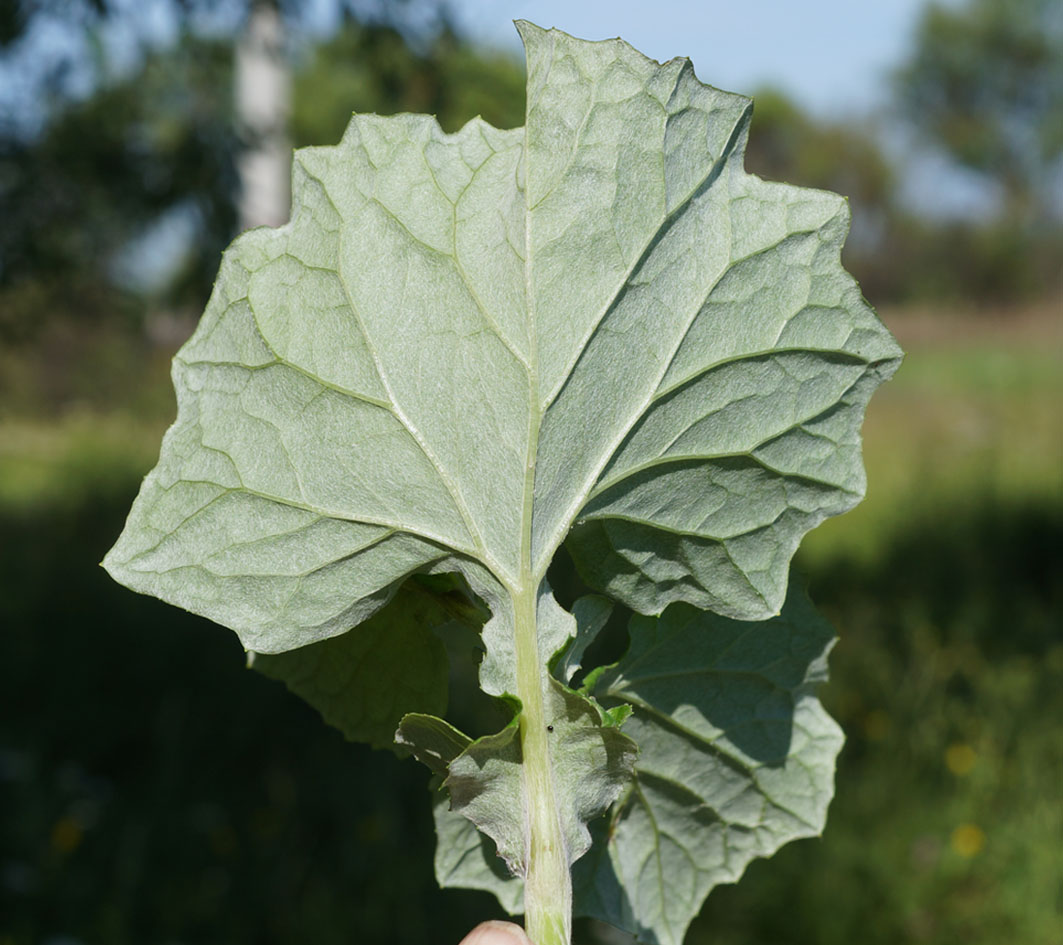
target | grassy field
x=974, y=415
x=153, y=790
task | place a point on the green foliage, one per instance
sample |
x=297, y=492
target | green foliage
x=114, y=163
x=736, y=759
x=372, y=68
x=985, y=82
x=466, y=350
x=364, y=683
x=788, y=144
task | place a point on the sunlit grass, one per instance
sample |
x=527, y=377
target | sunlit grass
x=49, y=463
x=974, y=415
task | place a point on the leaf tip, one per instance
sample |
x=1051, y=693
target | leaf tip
x=116, y=567
x=528, y=30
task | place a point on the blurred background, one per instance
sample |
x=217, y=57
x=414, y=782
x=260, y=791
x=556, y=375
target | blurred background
x=154, y=791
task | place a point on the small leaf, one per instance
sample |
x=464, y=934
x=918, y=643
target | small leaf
x=485, y=785
x=591, y=613
x=431, y=741
x=736, y=758
x=592, y=762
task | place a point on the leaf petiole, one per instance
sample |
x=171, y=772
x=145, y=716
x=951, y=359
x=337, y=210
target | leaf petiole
x=548, y=883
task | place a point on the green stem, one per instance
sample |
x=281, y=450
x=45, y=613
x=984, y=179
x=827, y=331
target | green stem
x=548, y=883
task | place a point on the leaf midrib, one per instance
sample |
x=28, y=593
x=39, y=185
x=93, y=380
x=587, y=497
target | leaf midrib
x=568, y=518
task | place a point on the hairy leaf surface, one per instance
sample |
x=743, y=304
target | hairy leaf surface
x=604, y=296
x=467, y=349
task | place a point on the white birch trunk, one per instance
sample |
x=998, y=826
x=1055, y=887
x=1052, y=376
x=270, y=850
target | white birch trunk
x=263, y=95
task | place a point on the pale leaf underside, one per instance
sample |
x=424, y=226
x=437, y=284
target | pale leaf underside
x=672, y=342
x=466, y=349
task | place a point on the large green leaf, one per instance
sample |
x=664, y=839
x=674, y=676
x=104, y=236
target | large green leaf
x=467, y=349
x=603, y=298
x=736, y=759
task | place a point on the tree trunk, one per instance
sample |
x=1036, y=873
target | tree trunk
x=263, y=94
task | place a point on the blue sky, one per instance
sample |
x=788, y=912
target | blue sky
x=833, y=56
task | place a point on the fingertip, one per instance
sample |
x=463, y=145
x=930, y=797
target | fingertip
x=496, y=933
